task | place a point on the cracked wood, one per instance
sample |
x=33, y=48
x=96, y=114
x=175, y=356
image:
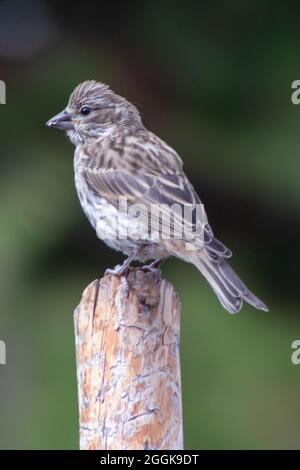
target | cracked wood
x=128, y=369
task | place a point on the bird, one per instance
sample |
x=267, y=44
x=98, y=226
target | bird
x=117, y=160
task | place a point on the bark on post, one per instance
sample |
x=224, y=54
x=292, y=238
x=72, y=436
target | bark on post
x=128, y=368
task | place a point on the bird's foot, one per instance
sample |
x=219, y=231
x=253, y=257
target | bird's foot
x=123, y=268
x=118, y=270
x=154, y=267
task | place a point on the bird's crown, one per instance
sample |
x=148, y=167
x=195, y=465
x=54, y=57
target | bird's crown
x=90, y=90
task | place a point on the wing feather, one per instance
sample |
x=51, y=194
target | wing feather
x=158, y=181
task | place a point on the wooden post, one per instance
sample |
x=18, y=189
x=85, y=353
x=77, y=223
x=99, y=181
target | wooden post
x=128, y=369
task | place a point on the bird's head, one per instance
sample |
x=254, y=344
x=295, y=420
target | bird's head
x=94, y=110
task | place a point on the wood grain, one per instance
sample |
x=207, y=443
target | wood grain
x=128, y=368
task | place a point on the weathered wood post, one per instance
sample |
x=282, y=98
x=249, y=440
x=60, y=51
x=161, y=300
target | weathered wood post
x=128, y=369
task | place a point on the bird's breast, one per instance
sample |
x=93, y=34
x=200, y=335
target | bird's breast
x=112, y=225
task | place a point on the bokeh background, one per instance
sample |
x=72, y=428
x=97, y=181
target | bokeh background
x=213, y=79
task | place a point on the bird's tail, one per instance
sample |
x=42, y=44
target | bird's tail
x=229, y=288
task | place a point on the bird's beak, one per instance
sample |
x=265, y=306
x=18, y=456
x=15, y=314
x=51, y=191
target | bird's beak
x=62, y=121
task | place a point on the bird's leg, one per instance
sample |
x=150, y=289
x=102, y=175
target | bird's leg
x=154, y=266
x=121, y=268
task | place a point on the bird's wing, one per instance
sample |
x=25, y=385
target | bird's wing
x=166, y=204
x=156, y=181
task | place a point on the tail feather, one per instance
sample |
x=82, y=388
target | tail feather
x=229, y=288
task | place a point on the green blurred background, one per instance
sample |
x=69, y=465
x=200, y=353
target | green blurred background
x=213, y=79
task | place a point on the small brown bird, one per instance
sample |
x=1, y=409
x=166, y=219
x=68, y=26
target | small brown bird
x=117, y=161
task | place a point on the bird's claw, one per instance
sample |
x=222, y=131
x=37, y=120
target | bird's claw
x=118, y=270
x=123, y=269
x=153, y=268
x=150, y=269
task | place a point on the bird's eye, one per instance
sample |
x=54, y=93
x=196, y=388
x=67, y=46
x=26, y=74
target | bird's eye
x=85, y=110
